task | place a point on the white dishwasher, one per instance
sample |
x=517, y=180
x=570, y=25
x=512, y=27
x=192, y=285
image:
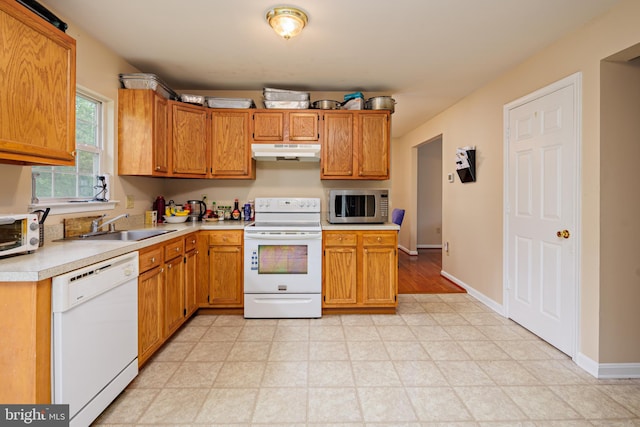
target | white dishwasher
x=94, y=336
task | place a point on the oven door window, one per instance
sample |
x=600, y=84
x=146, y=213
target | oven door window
x=283, y=259
x=10, y=235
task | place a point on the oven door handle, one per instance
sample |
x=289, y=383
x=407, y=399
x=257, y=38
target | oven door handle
x=280, y=236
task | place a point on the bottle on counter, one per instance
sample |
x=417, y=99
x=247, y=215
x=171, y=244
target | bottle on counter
x=214, y=210
x=235, y=214
x=159, y=206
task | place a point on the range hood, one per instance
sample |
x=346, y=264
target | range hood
x=294, y=152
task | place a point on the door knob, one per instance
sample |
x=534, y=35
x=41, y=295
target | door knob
x=564, y=234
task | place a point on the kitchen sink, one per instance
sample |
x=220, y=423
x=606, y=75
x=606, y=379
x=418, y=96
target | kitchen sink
x=124, y=235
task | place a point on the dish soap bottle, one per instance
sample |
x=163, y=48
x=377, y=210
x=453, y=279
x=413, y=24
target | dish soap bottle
x=236, y=210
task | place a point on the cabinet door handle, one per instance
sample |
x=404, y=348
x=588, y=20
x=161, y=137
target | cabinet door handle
x=169, y=266
x=153, y=260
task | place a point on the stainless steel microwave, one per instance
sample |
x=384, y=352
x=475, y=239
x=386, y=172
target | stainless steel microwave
x=19, y=234
x=358, y=206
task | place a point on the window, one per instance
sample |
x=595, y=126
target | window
x=79, y=182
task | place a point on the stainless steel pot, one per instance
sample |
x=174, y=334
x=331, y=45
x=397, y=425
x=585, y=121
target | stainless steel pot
x=326, y=104
x=380, y=103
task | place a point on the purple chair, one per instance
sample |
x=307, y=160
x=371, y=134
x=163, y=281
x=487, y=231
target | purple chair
x=397, y=215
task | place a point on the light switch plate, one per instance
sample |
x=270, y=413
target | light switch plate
x=129, y=201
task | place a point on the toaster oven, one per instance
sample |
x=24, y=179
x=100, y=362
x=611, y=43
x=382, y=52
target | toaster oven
x=19, y=234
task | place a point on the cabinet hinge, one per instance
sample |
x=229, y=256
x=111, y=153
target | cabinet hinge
x=395, y=297
x=324, y=298
x=185, y=312
x=184, y=260
x=207, y=298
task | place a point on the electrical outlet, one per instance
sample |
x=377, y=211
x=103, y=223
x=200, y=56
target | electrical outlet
x=446, y=248
x=130, y=200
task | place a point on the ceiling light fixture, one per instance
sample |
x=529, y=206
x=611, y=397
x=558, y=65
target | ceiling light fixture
x=287, y=21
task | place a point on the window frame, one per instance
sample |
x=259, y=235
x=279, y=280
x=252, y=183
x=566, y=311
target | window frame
x=105, y=122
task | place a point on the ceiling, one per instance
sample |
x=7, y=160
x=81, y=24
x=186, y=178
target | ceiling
x=427, y=54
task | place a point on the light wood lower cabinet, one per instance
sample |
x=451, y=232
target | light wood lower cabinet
x=150, y=304
x=360, y=269
x=25, y=353
x=166, y=291
x=191, y=275
x=225, y=269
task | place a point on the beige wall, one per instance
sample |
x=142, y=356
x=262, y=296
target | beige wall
x=429, y=214
x=473, y=216
x=619, y=208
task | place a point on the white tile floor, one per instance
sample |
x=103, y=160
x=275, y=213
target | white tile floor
x=442, y=360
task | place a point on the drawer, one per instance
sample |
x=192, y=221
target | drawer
x=150, y=259
x=173, y=249
x=340, y=239
x=379, y=239
x=190, y=242
x=226, y=238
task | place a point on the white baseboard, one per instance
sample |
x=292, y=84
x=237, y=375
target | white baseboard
x=598, y=370
x=407, y=251
x=608, y=370
x=498, y=308
x=429, y=246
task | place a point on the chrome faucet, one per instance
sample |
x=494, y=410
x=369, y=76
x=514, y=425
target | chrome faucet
x=95, y=224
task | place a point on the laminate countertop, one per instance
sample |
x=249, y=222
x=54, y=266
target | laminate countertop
x=59, y=257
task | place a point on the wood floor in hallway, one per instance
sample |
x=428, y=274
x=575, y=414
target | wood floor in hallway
x=421, y=274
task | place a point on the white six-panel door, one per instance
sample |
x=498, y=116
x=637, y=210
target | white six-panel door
x=541, y=188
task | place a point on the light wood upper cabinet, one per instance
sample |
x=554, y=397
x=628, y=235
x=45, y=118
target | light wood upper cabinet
x=231, y=147
x=143, y=141
x=189, y=140
x=37, y=94
x=373, y=144
x=304, y=126
x=286, y=126
x=338, y=147
x=356, y=145
x=268, y=126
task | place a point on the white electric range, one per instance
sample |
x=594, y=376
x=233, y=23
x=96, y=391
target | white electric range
x=283, y=259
